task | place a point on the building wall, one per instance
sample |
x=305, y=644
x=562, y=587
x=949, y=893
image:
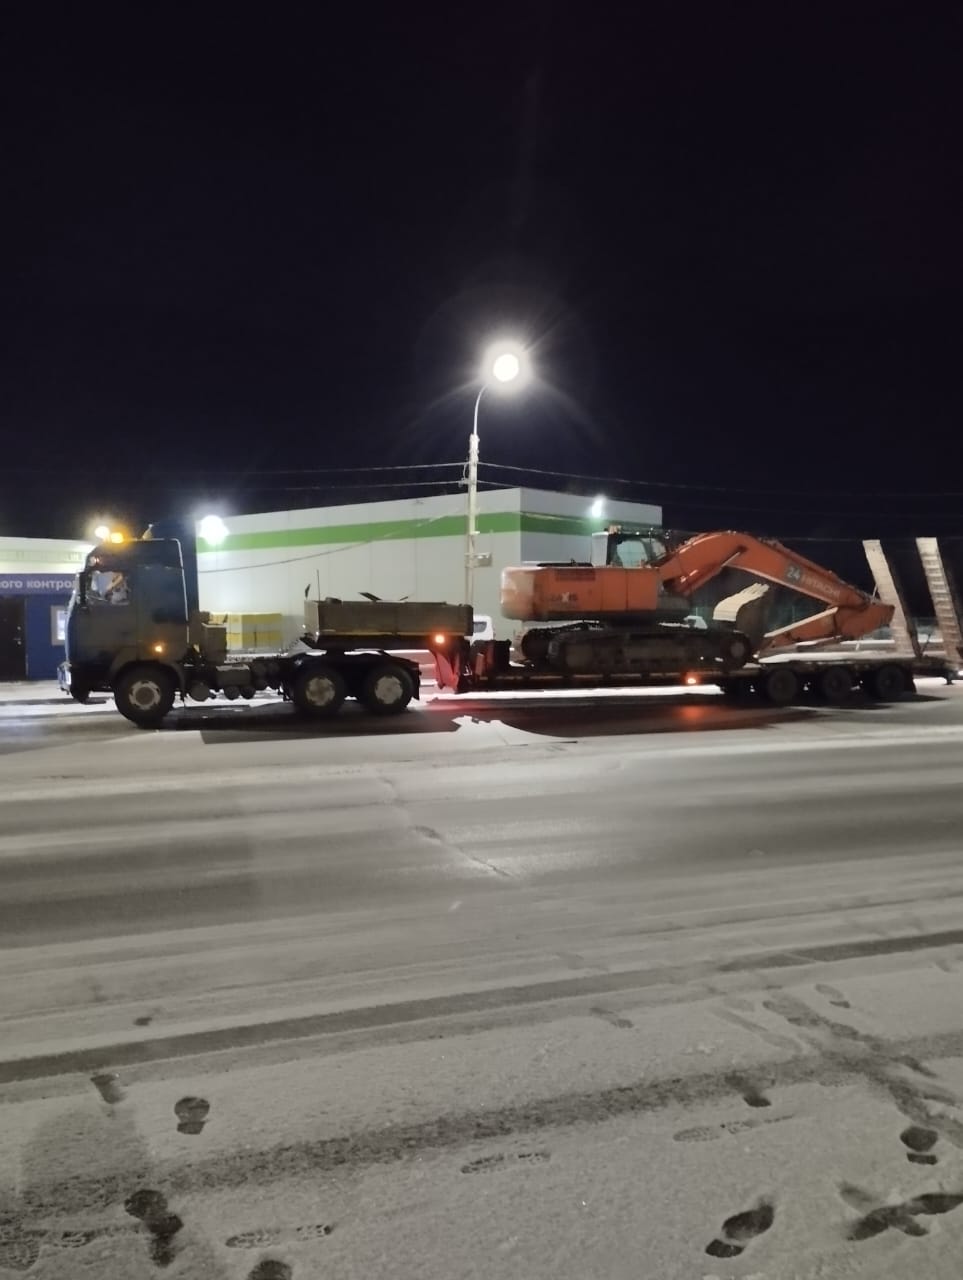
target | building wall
x=559, y=526
x=410, y=547
x=41, y=573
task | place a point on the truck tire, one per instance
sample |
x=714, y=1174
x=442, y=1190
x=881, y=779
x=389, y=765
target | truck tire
x=780, y=686
x=144, y=695
x=318, y=690
x=887, y=683
x=387, y=689
x=834, y=685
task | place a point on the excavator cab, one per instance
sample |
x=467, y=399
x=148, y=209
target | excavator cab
x=624, y=548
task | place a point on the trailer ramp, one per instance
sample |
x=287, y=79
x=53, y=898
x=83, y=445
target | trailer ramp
x=905, y=639
x=943, y=593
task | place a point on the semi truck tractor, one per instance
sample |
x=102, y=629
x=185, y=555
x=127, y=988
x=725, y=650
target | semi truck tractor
x=129, y=631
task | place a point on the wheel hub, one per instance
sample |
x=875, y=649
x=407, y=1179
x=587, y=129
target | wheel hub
x=388, y=690
x=145, y=695
x=319, y=691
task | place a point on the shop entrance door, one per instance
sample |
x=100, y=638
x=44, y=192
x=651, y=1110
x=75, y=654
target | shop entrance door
x=13, y=650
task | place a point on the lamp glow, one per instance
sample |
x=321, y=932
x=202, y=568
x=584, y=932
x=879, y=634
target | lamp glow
x=213, y=530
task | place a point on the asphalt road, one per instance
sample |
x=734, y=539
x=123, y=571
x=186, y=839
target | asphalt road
x=511, y=987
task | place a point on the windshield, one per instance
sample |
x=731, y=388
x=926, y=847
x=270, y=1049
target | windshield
x=631, y=553
x=107, y=586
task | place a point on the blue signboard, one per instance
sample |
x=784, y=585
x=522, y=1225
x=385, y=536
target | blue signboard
x=35, y=584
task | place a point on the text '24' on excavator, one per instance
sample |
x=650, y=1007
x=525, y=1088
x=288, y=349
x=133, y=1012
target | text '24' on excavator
x=626, y=610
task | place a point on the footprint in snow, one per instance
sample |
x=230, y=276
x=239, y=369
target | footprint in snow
x=919, y=1143
x=18, y=1250
x=150, y=1208
x=107, y=1084
x=191, y=1114
x=742, y=1228
x=833, y=996
x=271, y=1269
x=877, y=1218
x=261, y=1237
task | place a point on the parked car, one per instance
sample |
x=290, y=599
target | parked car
x=483, y=629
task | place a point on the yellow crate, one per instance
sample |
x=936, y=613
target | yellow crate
x=249, y=632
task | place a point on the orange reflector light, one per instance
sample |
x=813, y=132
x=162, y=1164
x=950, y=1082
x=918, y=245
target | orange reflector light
x=692, y=679
x=440, y=639
x=158, y=648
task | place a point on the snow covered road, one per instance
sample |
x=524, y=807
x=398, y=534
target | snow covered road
x=509, y=993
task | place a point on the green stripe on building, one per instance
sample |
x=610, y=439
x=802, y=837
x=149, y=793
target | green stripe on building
x=394, y=530
x=11, y=555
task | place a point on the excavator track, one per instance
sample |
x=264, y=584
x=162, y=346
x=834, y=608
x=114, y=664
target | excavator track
x=602, y=651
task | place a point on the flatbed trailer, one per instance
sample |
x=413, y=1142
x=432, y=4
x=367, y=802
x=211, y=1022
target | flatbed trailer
x=782, y=679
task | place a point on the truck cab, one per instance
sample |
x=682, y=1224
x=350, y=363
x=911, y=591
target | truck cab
x=128, y=607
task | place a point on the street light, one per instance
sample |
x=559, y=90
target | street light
x=213, y=530
x=102, y=532
x=598, y=508
x=506, y=369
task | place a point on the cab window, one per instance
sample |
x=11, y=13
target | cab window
x=107, y=586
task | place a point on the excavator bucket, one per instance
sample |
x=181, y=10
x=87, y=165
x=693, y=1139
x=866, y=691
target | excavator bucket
x=747, y=611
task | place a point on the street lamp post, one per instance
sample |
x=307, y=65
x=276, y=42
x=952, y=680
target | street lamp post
x=505, y=369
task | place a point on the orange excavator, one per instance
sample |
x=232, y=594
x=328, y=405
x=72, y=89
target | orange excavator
x=630, y=608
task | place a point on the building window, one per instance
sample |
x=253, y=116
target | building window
x=58, y=624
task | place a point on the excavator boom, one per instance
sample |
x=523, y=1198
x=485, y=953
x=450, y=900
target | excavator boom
x=851, y=613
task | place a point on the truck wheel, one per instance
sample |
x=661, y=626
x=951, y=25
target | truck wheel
x=318, y=690
x=387, y=689
x=834, y=685
x=79, y=692
x=779, y=686
x=145, y=695
x=886, y=684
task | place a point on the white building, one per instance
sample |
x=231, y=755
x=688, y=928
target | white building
x=412, y=547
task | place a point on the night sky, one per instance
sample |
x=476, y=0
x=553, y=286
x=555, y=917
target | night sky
x=248, y=257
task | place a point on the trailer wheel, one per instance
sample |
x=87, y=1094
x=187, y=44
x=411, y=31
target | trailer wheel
x=834, y=685
x=779, y=686
x=886, y=684
x=318, y=690
x=387, y=689
x=144, y=695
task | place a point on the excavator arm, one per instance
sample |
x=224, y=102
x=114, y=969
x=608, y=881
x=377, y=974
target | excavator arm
x=851, y=613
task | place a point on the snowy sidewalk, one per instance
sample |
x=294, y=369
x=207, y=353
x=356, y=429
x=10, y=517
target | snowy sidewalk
x=33, y=693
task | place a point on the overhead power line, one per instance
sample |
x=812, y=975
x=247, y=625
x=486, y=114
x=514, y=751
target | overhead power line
x=696, y=486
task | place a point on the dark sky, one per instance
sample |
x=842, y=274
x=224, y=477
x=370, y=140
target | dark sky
x=244, y=250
